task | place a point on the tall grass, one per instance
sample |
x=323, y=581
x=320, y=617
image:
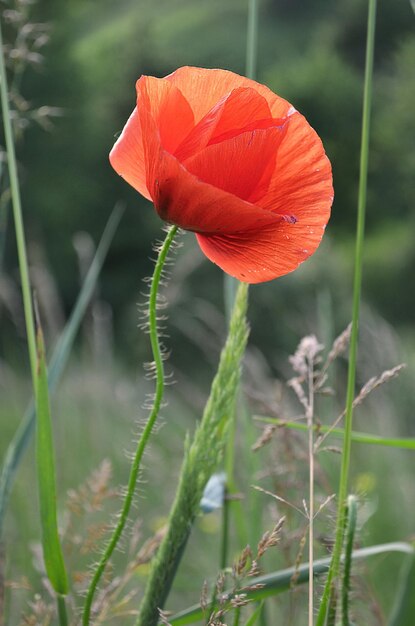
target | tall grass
x=357, y=288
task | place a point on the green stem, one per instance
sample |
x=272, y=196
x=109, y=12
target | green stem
x=237, y=616
x=225, y=532
x=252, y=39
x=230, y=286
x=406, y=443
x=345, y=465
x=350, y=533
x=63, y=618
x=159, y=368
x=17, y=213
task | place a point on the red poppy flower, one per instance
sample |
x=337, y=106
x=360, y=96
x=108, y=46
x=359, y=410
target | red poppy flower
x=226, y=158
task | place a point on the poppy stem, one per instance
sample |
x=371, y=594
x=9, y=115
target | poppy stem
x=142, y=443
x=345, y=464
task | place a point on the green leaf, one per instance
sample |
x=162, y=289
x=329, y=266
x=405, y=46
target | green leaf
x=45, y=465
x=280, y=581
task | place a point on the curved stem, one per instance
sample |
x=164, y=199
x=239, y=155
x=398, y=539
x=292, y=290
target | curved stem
x=159, y=368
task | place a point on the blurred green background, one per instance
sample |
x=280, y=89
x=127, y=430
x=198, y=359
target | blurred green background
x=80, y=60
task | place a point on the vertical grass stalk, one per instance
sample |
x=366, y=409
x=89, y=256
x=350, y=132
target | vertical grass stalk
x=142, y=443
x=350, y=533
x=252, y=40
x=357, y=285
x=17, y=214
x=310, y=416
x=230, y=286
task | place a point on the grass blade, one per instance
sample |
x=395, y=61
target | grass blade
x=350, y=532
x=255, y=615
x=45, y=465
x=230, y=289
x=357, y=288
x=17, y=213
x=279, y=582
x=406, y=443
x=21, y=439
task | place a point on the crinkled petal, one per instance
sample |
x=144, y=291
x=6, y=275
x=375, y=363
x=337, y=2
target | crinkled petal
x=233, y=113
x=127, y=155
x=203, y=88
x=173, y=119
x=242, y=165
x=182, y=198
x=301, y=184
x=264, y=254
x=169, y=109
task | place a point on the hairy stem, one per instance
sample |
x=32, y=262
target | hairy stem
x=135, y=467
x=344, y=472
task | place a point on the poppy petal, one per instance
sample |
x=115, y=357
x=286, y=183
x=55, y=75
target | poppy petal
x=203, y=88
x=169, y=109
x=173, y=119
x=127, y=155
x=263, y=254
x=234, y=111
x=182, y=198
x=242, y=165
x=301, y=184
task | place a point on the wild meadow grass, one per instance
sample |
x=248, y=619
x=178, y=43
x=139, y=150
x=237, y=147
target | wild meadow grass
x=316, y=521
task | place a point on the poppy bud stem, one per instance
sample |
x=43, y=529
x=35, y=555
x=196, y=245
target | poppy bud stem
x=142, y=443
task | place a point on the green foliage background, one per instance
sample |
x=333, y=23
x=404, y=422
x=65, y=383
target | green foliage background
x=311, y=53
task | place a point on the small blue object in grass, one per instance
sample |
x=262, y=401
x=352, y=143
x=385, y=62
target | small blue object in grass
x=214, y=493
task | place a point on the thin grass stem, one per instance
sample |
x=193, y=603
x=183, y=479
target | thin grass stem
x=405, y=443
x=158, y=396
x=361, y=211
x=18, y=218
x=230, y=287
x=252, y=40
x=350, y=533
x=310, y=414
